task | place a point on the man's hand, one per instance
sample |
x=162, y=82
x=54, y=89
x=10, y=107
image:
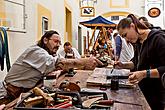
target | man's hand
x=91, y=63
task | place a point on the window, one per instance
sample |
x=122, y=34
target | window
x=14, y=14
x=89, y=3
x=44, y=24
x=114, y=18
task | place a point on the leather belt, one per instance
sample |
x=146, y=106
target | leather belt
x=14, y=91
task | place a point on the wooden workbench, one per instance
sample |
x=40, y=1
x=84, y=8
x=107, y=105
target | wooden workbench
x=133, y=96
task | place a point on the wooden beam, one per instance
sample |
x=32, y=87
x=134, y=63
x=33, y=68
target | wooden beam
x=92, y=36
x=84, y=44
x=105, y=35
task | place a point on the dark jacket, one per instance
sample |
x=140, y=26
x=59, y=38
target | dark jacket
x=163, y=79
x=151, y=56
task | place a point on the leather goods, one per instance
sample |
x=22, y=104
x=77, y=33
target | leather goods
x=2, y=52
x=6, y=48
x=14, y=91
x=69, y=86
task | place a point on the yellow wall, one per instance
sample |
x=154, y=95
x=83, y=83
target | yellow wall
x=43, y=12
x=68, y=22
x=125, y=5
x=2, y=10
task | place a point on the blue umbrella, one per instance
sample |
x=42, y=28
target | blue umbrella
x=98, y=21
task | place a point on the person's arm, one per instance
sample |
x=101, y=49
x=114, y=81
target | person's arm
x=124, y=65
x=39, y=59
x=159, y=50
x=137, y=76
x=82, y=63
x=118, y=43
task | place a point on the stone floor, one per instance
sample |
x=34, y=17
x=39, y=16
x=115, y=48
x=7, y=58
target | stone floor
x=2, y=75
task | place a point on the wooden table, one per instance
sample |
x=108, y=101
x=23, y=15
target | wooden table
x=132, y=96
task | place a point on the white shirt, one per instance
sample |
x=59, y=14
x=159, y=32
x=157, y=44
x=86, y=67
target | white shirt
x=30, y=67
x=127, y=51
x=61, y=53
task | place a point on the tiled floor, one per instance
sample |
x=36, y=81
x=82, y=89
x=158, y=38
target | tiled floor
x=2, y=75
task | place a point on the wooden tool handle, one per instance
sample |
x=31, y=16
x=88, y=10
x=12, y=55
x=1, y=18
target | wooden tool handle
x=33, y=101
x=64, y=97
x=105, y=102
x=37, y=91
x=66, y=105
x=47, y=99
x=58, y=105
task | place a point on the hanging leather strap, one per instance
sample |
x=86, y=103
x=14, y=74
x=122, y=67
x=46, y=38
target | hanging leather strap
x=2, y=52
x=6, y=48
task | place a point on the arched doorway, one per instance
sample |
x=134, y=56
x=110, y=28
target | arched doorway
x=117, y=13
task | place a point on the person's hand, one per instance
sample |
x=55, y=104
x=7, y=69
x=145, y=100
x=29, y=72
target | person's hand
x=55, y=73
x=118, y=65
x=137, y=76
x=2, y=106
x=91, y=63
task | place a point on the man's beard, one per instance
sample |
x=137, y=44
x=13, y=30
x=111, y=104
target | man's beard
x=53, y=53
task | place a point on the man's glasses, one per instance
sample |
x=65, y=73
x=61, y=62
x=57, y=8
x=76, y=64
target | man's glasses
x=56, y=41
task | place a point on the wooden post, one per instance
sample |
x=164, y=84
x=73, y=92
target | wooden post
x=96, y=42
x=90, y=43
x=84, y=45
x=88, y=39
x=105, y=36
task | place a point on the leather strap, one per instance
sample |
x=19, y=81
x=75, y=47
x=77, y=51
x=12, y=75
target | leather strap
x=2, y=52
x=6, y=48
x=14, y=91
